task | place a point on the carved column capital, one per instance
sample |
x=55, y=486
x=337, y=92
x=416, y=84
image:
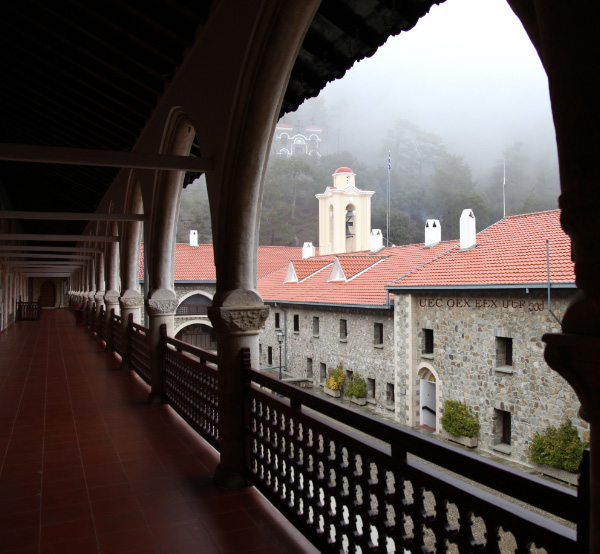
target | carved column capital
x=239, y=318
x=131, y=302
x=161, y=306
x=111, y=298
x=99, y=297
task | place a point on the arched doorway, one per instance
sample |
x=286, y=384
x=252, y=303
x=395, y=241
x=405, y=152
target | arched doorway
x=48, y=294
x=202, y=336
x=428, y=400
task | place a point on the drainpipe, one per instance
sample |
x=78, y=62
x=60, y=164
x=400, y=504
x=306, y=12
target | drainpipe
x=284, y=334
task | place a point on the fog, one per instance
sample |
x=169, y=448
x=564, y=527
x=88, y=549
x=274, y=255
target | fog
x=466, y=72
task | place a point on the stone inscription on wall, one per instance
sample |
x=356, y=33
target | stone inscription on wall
x=483, y=303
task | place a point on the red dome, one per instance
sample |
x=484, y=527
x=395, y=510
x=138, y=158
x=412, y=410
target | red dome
x=343, y=170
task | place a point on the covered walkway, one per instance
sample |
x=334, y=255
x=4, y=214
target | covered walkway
x=87, y=466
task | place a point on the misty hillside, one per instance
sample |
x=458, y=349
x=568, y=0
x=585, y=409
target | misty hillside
x=426, y=181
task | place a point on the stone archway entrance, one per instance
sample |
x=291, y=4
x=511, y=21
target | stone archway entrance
x=202, y=336
x=428, y=396
x=48, y=294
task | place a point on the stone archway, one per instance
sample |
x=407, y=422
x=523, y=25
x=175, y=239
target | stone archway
x=428, y=405
x=48, y=294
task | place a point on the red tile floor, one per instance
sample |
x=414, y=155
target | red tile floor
x=87, y=466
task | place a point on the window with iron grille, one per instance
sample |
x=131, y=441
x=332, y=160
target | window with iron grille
x=389, y=393
x=343, y=329
x=315, y=326
x=504, y=351
x=370, y=388
x=378, y=334
x=427, y=341
x=503, y=426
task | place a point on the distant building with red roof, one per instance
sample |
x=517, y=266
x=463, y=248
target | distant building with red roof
x=422, y=323
x=292, y=141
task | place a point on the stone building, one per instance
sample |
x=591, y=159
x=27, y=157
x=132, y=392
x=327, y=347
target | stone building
x=442, y=320
x=289, y=142
x=469, y=326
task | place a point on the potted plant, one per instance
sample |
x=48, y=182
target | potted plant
x=335, y=383
x=558, y=452
x=356, y=390
x=460, y=424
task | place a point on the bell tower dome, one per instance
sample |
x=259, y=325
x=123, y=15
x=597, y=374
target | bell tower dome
x=344, y=215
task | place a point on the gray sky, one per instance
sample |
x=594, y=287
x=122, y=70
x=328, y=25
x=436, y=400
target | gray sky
x=466, y=72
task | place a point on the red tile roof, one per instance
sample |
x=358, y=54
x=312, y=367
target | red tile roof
x=352, y=265
x=366, y=289
x=305, y=268
x=196, y=263
x=510, y=252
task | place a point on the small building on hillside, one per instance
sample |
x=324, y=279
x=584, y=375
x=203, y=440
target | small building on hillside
x=288, y=141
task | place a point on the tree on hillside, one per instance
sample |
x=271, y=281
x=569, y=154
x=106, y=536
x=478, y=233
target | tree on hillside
x=453, y=191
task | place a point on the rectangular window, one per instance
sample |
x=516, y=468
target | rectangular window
x=389, y=393
x=309, y=368
x=427, y=341
x=315, y=326
x=343, y=329
x=277, y=321
x=296, y=323
x=270, y=355
x=503, y=426
x=349, y=375
x=323, y=372
x=504, y=351
x=378, y=334
x=370, y=388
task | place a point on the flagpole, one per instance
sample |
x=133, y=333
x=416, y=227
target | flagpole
x=387, y=236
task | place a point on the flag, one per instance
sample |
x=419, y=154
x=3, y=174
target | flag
x=389, y=162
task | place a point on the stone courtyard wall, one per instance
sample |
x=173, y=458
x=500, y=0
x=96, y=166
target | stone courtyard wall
x=468, y=359
x=357, y=352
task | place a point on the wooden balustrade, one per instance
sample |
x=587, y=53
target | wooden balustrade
x=191, y=386
x=28, y=311
x=140, y=350
x=116, y=332
x=368, y=485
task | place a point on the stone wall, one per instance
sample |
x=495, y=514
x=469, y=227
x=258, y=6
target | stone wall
x=472, y=333
x=357, y=352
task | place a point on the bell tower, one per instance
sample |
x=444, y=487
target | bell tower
x=344, y=215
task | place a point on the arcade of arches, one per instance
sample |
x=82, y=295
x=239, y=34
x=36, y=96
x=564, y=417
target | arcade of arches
x=225, y=100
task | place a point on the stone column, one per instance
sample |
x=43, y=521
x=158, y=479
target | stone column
x=237, y=325
x=575, y=357
x=130, y=303
x=161, y=309
x=111, y=301
x=99, y=297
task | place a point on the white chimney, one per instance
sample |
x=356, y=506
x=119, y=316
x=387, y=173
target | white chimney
x=193, y=238
x=376, y=240
x=433, y=232
x=467, y=230
x=308, y=250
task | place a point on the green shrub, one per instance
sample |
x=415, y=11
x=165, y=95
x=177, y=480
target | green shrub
x=356, y=387
x=459, y=419
x=561, y=448
x=336, y=379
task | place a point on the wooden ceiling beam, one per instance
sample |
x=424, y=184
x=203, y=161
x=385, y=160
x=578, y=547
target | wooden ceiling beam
x=102, y=158
x=70, y=216
x=58, y=238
